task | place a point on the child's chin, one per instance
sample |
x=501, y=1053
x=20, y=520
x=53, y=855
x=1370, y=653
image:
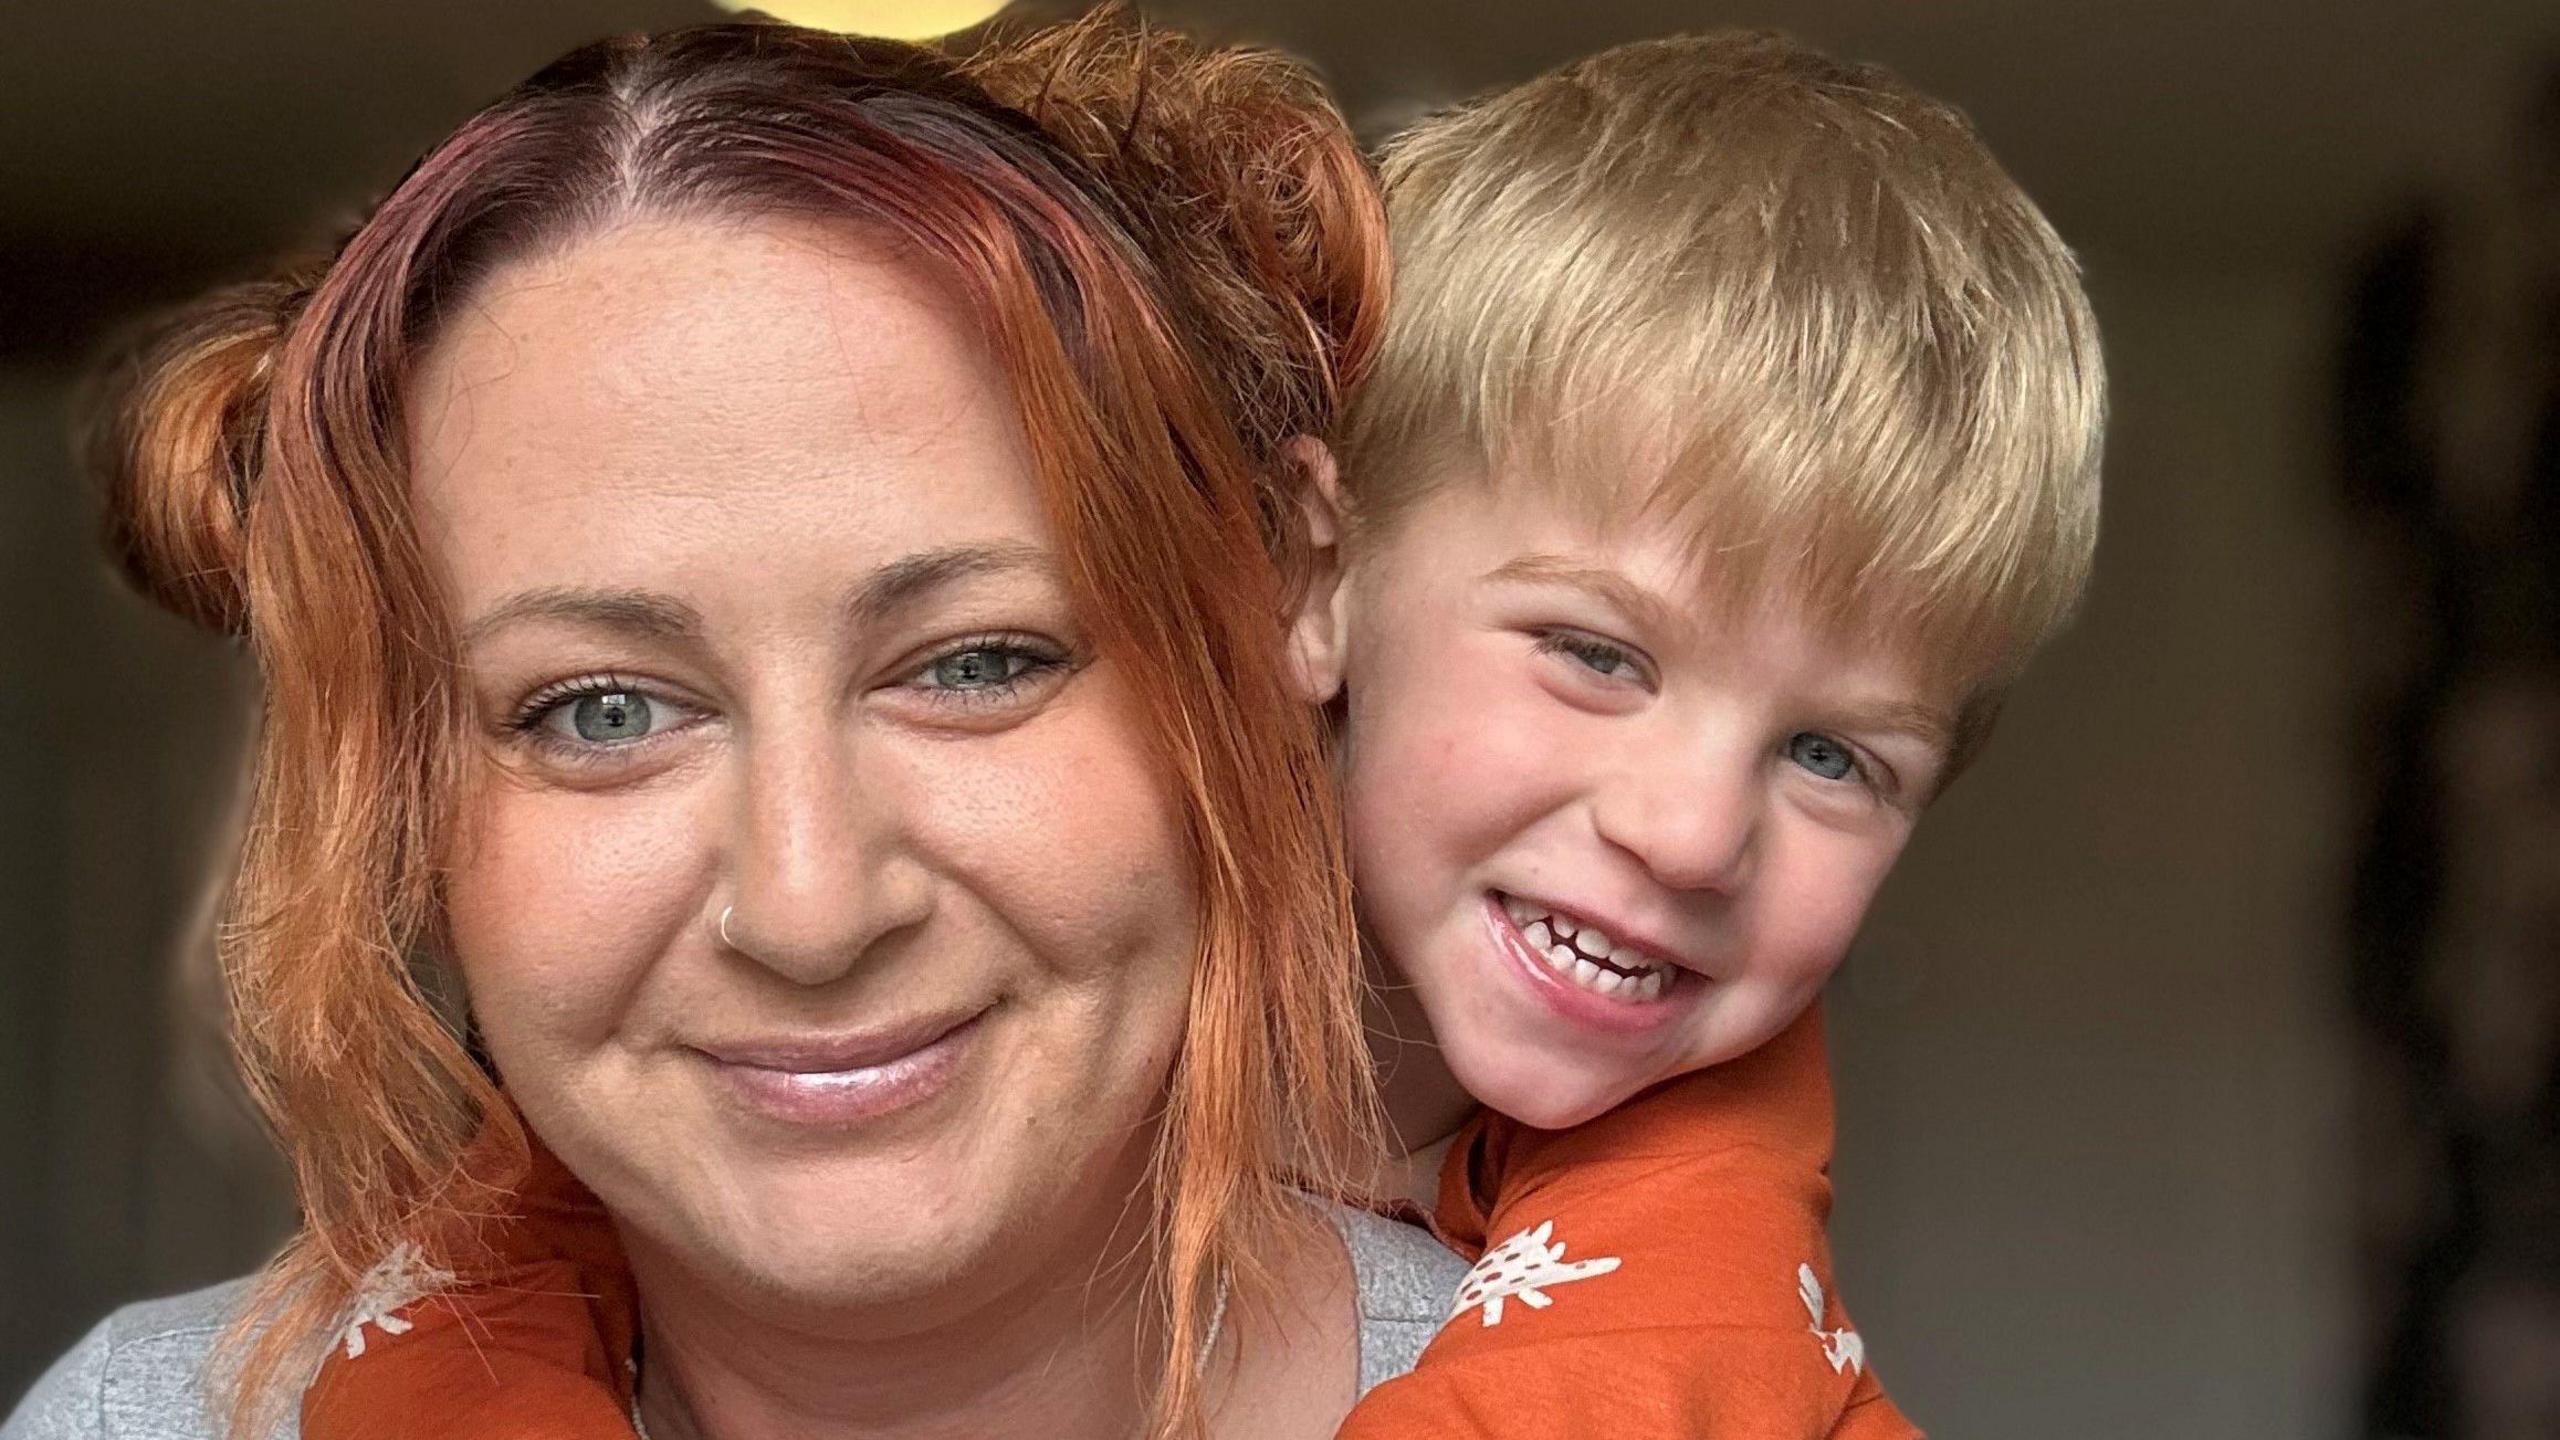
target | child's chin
x=1541, y=1093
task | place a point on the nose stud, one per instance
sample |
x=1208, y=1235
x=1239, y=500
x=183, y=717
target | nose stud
x=723, y=926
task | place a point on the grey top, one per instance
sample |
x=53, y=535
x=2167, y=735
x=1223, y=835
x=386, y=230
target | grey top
x=140, y=1374
x=1408, y=1282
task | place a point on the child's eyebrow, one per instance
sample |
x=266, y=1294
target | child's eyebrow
x=1636, y=602
x=1929, y=724
x=1926, y=723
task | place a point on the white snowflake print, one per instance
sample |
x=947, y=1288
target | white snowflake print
x=1523, y=1266
x=1841, y=1347
x=402, y=1279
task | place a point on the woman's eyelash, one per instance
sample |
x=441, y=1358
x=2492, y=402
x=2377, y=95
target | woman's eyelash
x=531, y=724
x=537, y=707
x=1038, y=660
x=1007, y=664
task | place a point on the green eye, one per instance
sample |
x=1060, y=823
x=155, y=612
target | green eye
x=1821, y=755
x=995, y=670
x=979, y=669
x=611, y=718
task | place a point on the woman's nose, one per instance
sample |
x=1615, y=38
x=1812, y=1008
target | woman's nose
x=821, y=872
x=1692, y=820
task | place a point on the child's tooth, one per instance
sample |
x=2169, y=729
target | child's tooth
x=1650, y=987
x=1560, y=958
x=1611, y=982
x=1584, y=972
x=1592, y=942
x=1563, y=927
x=1537, y=935
x=1518, y=912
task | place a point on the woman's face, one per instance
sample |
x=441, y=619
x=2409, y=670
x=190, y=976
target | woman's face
x=761, y=616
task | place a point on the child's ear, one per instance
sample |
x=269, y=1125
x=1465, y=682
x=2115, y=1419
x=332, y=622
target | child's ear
x=1317, y=639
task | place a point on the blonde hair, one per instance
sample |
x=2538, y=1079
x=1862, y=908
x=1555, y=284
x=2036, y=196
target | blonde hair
x=1790, y=304
x=1179, y=255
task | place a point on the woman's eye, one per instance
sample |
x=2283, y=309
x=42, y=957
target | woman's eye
x=584, y=718
x=614, y=718
x=987, y=667
x=1822, y=755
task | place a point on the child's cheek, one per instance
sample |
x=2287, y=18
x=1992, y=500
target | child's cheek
x=1492, y=754
x=1816, y=899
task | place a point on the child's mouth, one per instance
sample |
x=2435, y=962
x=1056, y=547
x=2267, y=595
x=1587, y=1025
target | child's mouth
x=1587, y=958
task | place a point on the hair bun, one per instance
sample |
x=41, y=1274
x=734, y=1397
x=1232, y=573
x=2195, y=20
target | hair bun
x=176, y=429
x=1263, y=213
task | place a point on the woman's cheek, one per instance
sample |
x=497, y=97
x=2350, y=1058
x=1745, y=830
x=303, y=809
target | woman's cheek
x=561, y=903
x=1085, y=850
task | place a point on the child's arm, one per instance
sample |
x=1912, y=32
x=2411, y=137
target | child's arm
x=536, y=1347
x=1660, y=1271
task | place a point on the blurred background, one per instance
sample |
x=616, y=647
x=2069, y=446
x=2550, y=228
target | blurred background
x=2200, y=1073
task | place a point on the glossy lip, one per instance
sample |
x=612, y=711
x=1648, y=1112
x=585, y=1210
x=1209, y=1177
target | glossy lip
x=1579, y=1006
x=843, y=1079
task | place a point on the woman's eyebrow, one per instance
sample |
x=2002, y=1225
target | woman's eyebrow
x=635, y=612
x=911, y=578
x=648, y=615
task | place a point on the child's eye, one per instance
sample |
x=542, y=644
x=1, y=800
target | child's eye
x=1821, y=755
x=1601, y=657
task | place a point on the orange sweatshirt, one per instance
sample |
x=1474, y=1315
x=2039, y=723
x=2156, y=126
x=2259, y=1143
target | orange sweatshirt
x=1663, y=1272
x=536, y=1347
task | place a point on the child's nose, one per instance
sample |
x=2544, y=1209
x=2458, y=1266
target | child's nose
x=1694, y=826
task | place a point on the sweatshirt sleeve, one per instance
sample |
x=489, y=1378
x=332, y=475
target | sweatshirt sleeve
x=535, y=1344
x=1661, y=1271
x=68, y=1401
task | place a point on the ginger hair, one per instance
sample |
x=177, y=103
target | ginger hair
x=1179, y=255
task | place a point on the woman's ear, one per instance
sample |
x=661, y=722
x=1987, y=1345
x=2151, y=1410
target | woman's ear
x=1317, y=636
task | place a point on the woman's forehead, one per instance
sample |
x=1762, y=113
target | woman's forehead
x=670, y=393
x=708, y=342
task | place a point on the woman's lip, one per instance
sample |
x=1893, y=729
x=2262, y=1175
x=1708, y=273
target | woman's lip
x=842, y=1080
x=814, y=1053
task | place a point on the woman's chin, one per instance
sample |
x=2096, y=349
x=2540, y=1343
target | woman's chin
x=871, y=1245
x=834, y=1252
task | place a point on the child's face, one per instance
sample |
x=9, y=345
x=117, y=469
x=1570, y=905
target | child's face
x=1608, y=837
